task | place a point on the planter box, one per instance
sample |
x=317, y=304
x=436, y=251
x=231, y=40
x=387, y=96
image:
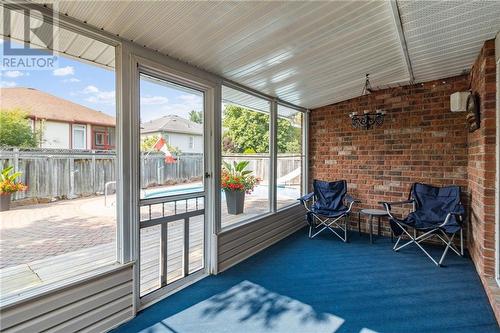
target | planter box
x=235, y=201
x=4, y=202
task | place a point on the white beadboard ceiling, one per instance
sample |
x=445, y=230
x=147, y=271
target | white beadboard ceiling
x=444, y=37
x=307, y=53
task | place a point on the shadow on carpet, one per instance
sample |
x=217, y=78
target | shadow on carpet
x=324, y=286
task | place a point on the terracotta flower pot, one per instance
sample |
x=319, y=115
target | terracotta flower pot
x=4, y=202
x=235, y=201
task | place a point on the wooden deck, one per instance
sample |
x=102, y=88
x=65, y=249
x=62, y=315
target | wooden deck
x=40, y=272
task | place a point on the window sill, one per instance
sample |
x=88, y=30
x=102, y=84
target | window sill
x=35, y=292
x=256, y=218
x=290, y=205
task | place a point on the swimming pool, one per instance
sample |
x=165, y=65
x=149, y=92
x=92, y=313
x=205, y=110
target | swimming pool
x=261, y=191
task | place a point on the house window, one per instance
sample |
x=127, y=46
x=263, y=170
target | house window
x=100, y=139
x=191, y=142
x=79, y=137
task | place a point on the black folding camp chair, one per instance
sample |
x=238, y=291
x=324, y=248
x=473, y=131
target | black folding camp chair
x=437, y=212
x=327, y=206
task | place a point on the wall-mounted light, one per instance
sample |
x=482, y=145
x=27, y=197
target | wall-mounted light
x=368, y=118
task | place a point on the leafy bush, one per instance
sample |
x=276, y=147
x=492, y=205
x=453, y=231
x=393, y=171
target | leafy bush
x=236, y=178
x=8, y=182
x=15, y=129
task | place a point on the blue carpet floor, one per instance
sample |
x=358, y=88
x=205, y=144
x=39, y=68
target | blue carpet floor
x=323, y=285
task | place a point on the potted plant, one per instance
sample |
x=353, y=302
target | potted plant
x=236, y=182
x=8, y=185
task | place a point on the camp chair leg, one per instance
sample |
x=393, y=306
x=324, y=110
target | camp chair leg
x=448, y=241
x=430, y=257
x=416, y=240
x=461, y=242
x=413, y=239
x=448, y=245
x=327, y=224
x=397, y=242
x=359, y=223
x=346, y=227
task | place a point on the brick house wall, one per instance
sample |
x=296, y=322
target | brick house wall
x=421, y=140
x=481, y=166
x=481, y=174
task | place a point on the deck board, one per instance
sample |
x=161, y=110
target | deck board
x=43, y=271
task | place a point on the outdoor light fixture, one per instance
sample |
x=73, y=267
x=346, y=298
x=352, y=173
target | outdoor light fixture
x=368, y=118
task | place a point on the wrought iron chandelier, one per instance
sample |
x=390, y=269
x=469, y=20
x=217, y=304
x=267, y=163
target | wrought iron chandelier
x=368, y=118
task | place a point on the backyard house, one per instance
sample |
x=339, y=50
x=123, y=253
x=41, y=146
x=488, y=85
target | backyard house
x=61, y=124
x=178, y=132
x=371, y=203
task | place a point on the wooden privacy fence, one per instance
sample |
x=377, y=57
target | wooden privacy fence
x=65, y=174
x=288, y=166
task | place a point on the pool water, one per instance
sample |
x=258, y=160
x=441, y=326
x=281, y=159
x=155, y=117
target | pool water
x=260, y=191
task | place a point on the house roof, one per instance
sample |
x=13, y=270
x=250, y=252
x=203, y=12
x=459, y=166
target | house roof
x=173, y=124
x=42, y=105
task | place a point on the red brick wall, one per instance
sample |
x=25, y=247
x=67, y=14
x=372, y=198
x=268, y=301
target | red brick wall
x=421, y=140
x=481, y=166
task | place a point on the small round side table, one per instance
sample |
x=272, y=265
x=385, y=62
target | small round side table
x=371, y=213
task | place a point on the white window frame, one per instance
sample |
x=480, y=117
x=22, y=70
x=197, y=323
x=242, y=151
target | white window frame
x=273, y=155
x=123, y=255
x=99, y=134
x=78, y=128
x=272, y=162
x=303, y=154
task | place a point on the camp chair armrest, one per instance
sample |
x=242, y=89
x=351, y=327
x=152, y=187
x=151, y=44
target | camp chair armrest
x=390, y=203
x=351, y=201
x=306, y=197
x=387, y=205
x=458, y=215
x=307, y=200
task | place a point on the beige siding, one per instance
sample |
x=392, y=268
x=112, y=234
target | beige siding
x=240, y=243
x=56, y=135
x=95, y=305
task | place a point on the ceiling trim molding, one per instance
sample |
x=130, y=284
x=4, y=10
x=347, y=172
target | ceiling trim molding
x=402, y=39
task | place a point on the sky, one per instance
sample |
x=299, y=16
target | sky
x=94, y=87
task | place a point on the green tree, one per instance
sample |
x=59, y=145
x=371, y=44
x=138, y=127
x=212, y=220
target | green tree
x=247, y=131
x=196, y=116
x=15, y=129
x=289, y=135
